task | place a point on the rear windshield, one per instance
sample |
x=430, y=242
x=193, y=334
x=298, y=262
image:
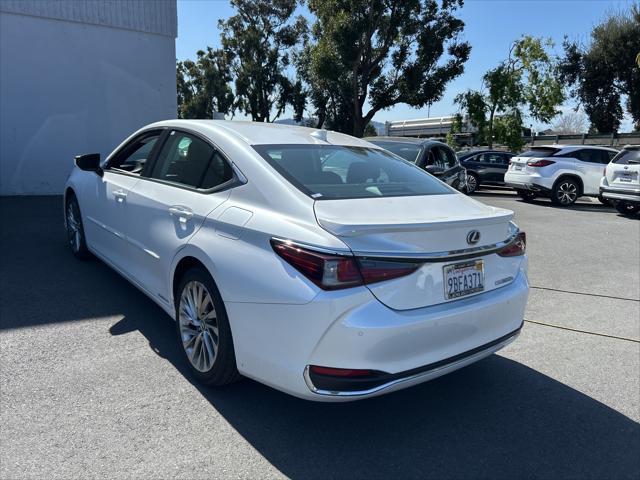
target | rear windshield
x=539, y=152
x=339, y=172
x=407, y=151
x=627, y=156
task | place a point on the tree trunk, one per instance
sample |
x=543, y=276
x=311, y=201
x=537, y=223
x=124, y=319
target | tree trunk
x=491, y=115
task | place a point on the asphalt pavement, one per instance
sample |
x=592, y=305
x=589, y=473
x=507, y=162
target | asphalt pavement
x=92, y=384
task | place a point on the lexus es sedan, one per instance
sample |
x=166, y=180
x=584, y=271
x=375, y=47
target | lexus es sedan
x=311, y=261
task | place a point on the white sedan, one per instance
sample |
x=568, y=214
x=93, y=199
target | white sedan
x=311, y=261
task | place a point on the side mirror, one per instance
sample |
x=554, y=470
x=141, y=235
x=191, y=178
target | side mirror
x=434, y=170
x=89, y=162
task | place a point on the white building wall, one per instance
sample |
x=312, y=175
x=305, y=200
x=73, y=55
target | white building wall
x=78, y=77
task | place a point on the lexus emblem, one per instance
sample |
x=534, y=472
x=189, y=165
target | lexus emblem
x=473, y=237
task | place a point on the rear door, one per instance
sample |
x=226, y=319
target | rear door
x=189, y=179
x=590, y=162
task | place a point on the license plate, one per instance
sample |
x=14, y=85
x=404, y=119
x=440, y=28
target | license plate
x=462, y=279
x=518, y=167
x=625, y=178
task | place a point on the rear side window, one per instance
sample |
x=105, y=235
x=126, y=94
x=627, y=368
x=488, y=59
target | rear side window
x=441, y=157
x=340, y=172
x=540, y=152
x=190, y=161
x=627, y=156
x=590, y=155
x=407, y=151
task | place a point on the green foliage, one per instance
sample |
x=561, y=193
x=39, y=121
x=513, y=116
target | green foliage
x=508, y=131
x=608, y=70
x=456, y=127
x=526, y=78
x=377, y=53
x=370, y=131
x=203, y=86
x=259, y=43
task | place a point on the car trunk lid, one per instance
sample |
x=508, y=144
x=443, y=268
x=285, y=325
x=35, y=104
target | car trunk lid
x=433, y=228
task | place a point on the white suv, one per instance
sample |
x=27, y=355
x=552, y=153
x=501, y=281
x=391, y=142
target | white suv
x=620, y=184
x=562, y=172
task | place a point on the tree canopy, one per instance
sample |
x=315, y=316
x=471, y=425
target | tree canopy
x=607, y=71
x=526, y=80
x=259, y=43
x=203, y=85
x=369, y=55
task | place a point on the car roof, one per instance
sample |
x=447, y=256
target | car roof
x=259, y=133
x=571, y=148
x=410, y=140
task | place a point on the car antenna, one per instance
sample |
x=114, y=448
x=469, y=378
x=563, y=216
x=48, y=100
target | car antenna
x=320, y=135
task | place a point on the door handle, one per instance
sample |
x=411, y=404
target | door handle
x=120, y=195
x=182, y=213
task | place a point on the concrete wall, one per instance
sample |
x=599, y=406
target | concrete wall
x=69, y=87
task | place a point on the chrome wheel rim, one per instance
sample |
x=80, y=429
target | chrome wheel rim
x=567, y=193
x=74, y=232
x=198, y=326
x=471, y=183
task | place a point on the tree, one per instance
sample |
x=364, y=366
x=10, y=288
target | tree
x=259, y=43
x=203, y=85
x=527, y=78
x=508, y=130
x=369, y=55
x=571, y=123
x=607, y=71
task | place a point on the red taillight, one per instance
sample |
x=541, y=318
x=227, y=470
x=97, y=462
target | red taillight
x=332, y=272
x=518, y=247
x=340, y=372
x=540, y=163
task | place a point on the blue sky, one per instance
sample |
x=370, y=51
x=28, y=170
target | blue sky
x=491, y=26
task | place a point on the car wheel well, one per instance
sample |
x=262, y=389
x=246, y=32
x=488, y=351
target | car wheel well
x=184, y=265
x=572, y=177
x=68, y=193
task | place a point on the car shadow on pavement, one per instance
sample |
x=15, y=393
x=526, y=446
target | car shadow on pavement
x=497, y=418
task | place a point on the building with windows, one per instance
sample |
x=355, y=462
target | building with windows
x=78, y=76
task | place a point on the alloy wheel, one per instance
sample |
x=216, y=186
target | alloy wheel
x=74, y=230
x=567, y=193
x=472, y=184
x=198, y=324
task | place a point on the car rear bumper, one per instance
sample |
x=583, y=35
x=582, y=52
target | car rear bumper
x=276, y=344
x=627, y=195
x=532, y=182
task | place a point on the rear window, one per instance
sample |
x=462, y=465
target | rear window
x=627, y=156
x=407, y=151
x=539, y=152
x=340, y=172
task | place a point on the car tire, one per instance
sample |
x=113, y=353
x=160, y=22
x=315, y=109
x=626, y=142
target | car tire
x=526, y=195
x=203, y=329
x=626, y=208
x=473, y=183
x=75, y=228
x=565, y=192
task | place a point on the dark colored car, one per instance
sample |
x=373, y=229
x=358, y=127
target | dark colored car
x=485, y=167
x=435, y=157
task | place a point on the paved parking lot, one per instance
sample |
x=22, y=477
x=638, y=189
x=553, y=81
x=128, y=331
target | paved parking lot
x=92, y=385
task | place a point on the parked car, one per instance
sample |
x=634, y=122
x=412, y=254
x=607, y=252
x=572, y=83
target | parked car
x=435, y=157
x=562, y=172
x=311, y=261
x=485, y=167
x=620, y=184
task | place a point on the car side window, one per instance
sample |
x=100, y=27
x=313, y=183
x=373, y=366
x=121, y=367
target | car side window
x=442, y=158
x=133, y=156
x=190, y=161
x=588, y=155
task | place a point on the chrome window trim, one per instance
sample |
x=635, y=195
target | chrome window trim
x=417, y=376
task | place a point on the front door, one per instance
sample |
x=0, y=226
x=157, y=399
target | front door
x=107, y=206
